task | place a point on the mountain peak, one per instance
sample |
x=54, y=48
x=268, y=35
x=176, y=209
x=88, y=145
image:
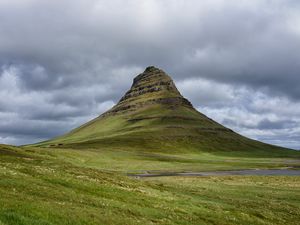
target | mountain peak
x=151, y=74
x=153, y=86
x=151, y=69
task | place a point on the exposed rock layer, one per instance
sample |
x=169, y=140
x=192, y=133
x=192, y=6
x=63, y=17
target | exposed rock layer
x=153, y=86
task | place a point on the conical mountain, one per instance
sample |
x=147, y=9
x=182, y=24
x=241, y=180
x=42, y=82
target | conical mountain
x=151, y=87
x=154, y=116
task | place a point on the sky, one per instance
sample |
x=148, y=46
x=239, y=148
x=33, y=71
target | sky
x=65, y=62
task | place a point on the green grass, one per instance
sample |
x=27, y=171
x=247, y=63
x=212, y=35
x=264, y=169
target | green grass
x=162, y=129
x=65, y=186
x=129, y=161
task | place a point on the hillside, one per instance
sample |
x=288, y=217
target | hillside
x=154, y=116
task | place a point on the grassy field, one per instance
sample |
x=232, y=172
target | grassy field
x=65, y=186
x=137, y=161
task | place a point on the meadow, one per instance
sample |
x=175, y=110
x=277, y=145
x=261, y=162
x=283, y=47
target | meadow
x=64, y=186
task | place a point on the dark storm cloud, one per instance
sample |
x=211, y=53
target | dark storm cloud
x=69, y=61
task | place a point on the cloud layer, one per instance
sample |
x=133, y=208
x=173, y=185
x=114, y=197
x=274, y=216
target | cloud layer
x=63, y=63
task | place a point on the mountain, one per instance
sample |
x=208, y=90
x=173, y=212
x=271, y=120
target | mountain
x=154, y=116
x=80, y=177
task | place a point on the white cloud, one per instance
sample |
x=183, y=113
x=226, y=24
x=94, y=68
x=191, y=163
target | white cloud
x=203, y=92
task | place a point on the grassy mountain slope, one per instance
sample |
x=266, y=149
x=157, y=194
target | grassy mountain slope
x=153, y=116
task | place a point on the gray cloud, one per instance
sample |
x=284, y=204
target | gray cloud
x=69, y=61
x=253, y=113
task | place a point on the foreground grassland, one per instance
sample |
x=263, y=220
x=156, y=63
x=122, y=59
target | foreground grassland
x=40, y=187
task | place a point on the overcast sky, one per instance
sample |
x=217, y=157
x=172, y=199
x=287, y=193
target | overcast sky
x=64, y=62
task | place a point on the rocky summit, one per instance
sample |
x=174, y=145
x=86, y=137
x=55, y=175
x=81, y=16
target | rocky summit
x=154, y=116
x=153, y=86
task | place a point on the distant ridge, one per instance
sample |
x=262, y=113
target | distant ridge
x=154, y=116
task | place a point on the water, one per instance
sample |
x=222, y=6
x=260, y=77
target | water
x=258, y=172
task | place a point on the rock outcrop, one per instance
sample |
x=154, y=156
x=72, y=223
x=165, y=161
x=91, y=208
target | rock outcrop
x=153, y=86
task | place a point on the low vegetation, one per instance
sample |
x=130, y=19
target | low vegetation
x=48, y=186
